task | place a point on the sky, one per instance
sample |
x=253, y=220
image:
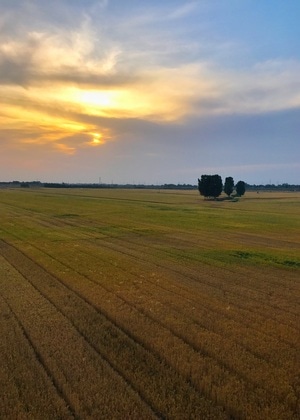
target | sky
x=154, y=92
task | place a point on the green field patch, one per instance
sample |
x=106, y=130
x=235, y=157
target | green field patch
x=223, y=257
x=161, y=298
x=291, y=263
x=245, y=254
x=261, y=257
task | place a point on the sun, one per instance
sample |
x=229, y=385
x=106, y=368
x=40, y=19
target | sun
x=95, y=102
x=97, y=99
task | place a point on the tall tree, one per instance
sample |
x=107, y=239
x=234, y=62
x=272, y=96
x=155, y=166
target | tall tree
x=229, y=185
x=210, y=185
x=240, y=188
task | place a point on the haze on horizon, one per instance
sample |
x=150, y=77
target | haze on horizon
x=149, y=92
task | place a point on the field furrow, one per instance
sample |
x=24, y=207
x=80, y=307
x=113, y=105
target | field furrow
x=180, y=308
x=30, y=391
x=154, y=380
x=254, y=287
x=83, y=377
x=203, y=367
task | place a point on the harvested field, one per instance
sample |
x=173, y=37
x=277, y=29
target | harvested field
x=149, y=304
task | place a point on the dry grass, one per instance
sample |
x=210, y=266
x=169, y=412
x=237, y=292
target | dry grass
x=140, y=304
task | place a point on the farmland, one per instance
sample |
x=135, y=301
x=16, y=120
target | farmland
x=148, y=304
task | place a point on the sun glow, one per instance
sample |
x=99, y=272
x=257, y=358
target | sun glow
x=97, y=139
x=97, y=99
x=94, y=102
x=130, y=102
x=59, y=117
x=35, y=127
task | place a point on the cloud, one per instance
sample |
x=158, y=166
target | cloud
x=266, y=86
x=263, y=87
x=83, y=56
x=74, y=58
x=73, y=85
x=183, y=10
x=58, y=56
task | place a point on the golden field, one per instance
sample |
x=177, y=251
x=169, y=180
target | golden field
x=145, y=304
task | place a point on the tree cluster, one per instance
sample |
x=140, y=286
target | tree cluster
x=212, y=186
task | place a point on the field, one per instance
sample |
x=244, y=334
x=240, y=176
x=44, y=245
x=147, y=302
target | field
x=140, y=304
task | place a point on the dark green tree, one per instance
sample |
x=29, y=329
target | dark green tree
x=210, y=185
x=240, y=188
x=229, y=185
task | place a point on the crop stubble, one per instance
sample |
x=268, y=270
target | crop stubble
x=182, y=336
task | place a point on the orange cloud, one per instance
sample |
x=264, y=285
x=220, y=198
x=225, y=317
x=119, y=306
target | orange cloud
x=65, y=149
x=61, y=85
x=96, y=139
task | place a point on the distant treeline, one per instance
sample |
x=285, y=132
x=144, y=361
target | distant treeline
x=273, y=187
x=38, y=184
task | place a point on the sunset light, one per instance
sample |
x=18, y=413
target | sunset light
x=96, y=139
x=170, y=96
x=149, y=208
x=95, y=102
